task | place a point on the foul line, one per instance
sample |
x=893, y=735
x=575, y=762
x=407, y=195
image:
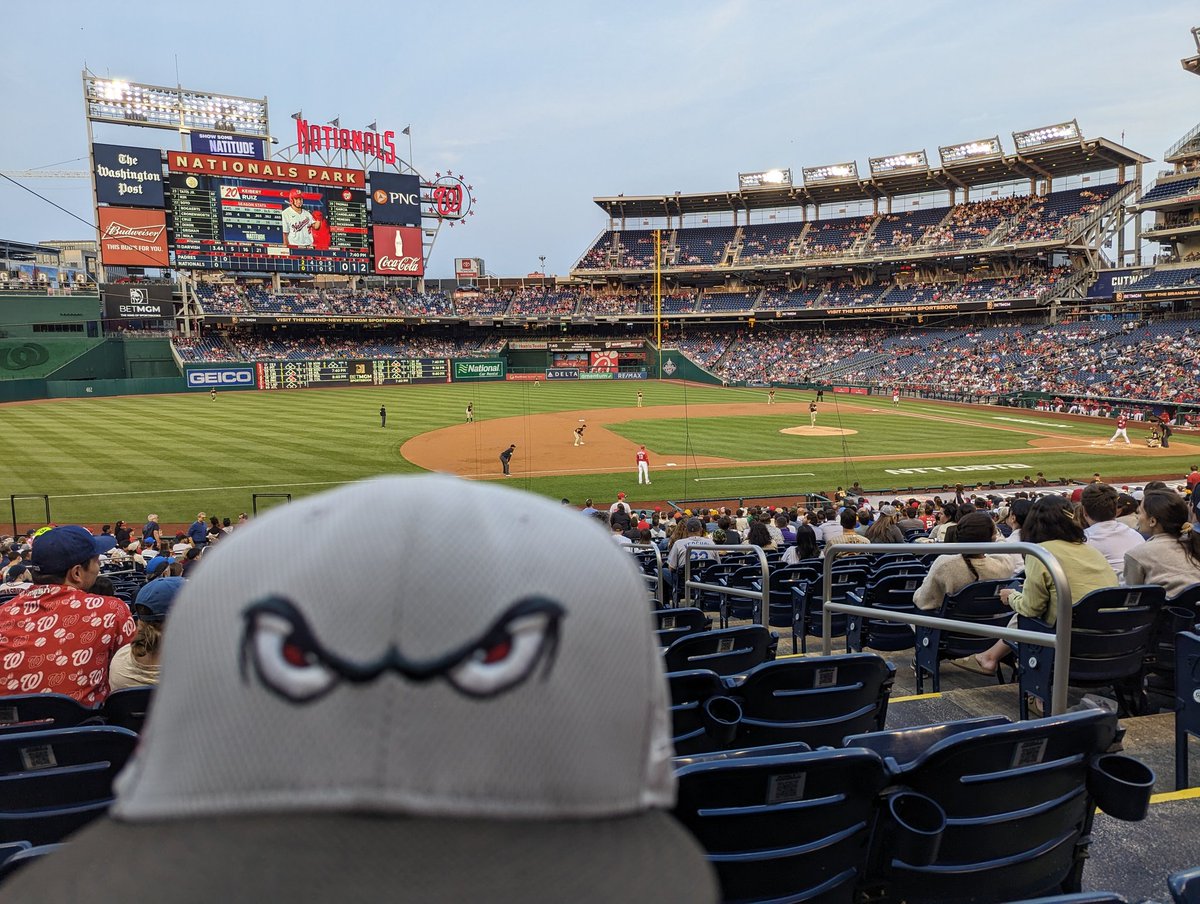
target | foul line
x=757, y=476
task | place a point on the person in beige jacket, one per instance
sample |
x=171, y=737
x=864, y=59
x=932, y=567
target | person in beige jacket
x=949, y=574
x=1171, y=555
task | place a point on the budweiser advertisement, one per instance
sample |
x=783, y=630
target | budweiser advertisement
x=133, y=238
x=398, y=250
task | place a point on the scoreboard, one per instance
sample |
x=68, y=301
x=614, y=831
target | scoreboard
x=351, y=371
x=228, y=214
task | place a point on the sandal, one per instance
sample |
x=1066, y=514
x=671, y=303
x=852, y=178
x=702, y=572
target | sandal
x=971, y=664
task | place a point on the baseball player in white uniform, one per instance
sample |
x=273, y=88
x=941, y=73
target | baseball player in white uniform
x=643, y=465
x=298, y=223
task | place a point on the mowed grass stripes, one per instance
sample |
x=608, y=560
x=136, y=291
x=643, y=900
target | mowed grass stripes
x=108, y=458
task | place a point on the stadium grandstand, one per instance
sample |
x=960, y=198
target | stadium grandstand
x=1007, y=723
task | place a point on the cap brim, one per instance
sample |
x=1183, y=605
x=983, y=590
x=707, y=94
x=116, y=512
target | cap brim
x=348, y=858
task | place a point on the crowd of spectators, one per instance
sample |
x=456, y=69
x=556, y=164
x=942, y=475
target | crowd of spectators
x=335, y=301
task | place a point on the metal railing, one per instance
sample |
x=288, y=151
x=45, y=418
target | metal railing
x=764, y=595
x=1060, y=641
x=654, y=580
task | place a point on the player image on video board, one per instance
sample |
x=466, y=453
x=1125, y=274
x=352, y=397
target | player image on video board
x=298, y=223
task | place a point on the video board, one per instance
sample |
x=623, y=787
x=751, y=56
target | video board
x=232, y=213
x=351, y=372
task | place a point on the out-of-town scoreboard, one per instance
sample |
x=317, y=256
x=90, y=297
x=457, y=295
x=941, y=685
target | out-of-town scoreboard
x=352, y=372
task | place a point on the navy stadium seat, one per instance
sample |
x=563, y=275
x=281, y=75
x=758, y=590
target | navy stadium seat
x=1187, y=706
x=785, y=828
x=127, y=707
x=1111, y=635
x=22, y=858
x=978, y=603
x=53, y=782
x=1185, y=886
x=726, y=652
x=807, y=602
x=891, y=593
x=41, y=712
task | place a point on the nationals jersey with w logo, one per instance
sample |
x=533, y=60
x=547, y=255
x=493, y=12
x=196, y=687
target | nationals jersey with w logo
x=59, y=640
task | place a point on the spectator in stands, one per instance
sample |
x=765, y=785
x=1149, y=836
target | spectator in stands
x=17, y=579
x=37, y=654
x=805, y=548
x=946, y=518
x=1127, y=509
x=198, y=531
x=689, y=545
x=846, y=522
x=1171, y=555
x=1052, y=525
x=911, y=522
x=949, y=574
x=151, y=530
x=885, y=530
x=761, y=537
x=123, y=534
x=1103, y=531
x=366, y=751
x=732, y=537
x=106, y=541
x=136, y=664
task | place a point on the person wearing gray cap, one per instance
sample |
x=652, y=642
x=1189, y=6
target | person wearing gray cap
x=412, y=727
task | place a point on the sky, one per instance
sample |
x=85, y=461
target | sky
x=543, y=106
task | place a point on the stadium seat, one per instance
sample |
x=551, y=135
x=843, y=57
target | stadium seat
x=785, y=828
x=22, y=858
x=891, y=593
x=1179, y=613
x=53, y=782
x=744, y=577
x=1187, y=706
x=1019, y=800
x=818, y=700
x=1083, y=897
x=1111, y=634
x=1185, y=886
x=673, y=624
x=127, y=707
x=728, y=651
x=978, y=603
x=807, y=602
x=41, y=712
x=697, y=727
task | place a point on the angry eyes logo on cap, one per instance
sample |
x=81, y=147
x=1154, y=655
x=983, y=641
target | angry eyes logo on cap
x=291, y=662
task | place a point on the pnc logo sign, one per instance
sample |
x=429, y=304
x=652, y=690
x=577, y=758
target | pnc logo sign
x=224, y=378
x=396, y=199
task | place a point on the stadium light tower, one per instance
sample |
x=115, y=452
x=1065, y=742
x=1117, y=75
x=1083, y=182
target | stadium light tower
x=1192, y=63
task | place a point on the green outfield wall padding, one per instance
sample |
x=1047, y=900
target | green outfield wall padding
x=80, y=389
x=22, y=390
x=40, y=357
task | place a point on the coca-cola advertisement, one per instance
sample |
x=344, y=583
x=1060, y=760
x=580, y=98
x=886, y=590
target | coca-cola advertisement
x=398, y=250
x=133, y=238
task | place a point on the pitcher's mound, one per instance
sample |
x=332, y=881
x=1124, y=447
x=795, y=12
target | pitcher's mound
x=817, y=431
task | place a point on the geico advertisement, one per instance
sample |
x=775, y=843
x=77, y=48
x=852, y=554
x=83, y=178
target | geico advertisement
x=221, y=378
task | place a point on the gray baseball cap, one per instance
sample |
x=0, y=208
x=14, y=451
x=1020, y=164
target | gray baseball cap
x=428, y=722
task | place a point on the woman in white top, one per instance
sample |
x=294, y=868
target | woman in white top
x=1171, y=555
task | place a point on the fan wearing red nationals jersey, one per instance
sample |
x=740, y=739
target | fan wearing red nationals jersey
x=56, y=637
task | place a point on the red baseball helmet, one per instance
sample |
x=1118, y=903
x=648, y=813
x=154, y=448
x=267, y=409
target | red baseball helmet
x=295, y=193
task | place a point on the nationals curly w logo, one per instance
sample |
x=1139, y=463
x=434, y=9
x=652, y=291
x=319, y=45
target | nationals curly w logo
x=20, y=357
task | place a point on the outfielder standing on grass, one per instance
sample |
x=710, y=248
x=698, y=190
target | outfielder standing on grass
x=639, y=397
x=771, y=397
x=643, y=466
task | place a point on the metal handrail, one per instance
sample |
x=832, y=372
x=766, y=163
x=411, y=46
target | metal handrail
x=764, y=595
x=1060, y=642
x=657, y=578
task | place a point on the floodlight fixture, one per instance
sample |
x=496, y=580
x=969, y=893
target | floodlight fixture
x=834, y=172
x=1060, y=133
x=970, y=151
x=894, y=163
x=780, y=177
x=154, y=106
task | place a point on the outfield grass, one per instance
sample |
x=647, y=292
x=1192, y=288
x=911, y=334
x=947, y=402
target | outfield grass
x=107, y=458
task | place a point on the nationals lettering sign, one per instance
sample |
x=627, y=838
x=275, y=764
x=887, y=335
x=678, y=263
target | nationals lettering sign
x=395, y=199
x=133, y=238
x=271, y=170
x=398, y=251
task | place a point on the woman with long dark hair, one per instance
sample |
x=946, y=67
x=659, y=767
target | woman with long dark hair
x=804, y=548
x=1051, y=523
x=949, y=574
x=1171, y=555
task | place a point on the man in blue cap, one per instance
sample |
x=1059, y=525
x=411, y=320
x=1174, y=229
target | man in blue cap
x=56, y=637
